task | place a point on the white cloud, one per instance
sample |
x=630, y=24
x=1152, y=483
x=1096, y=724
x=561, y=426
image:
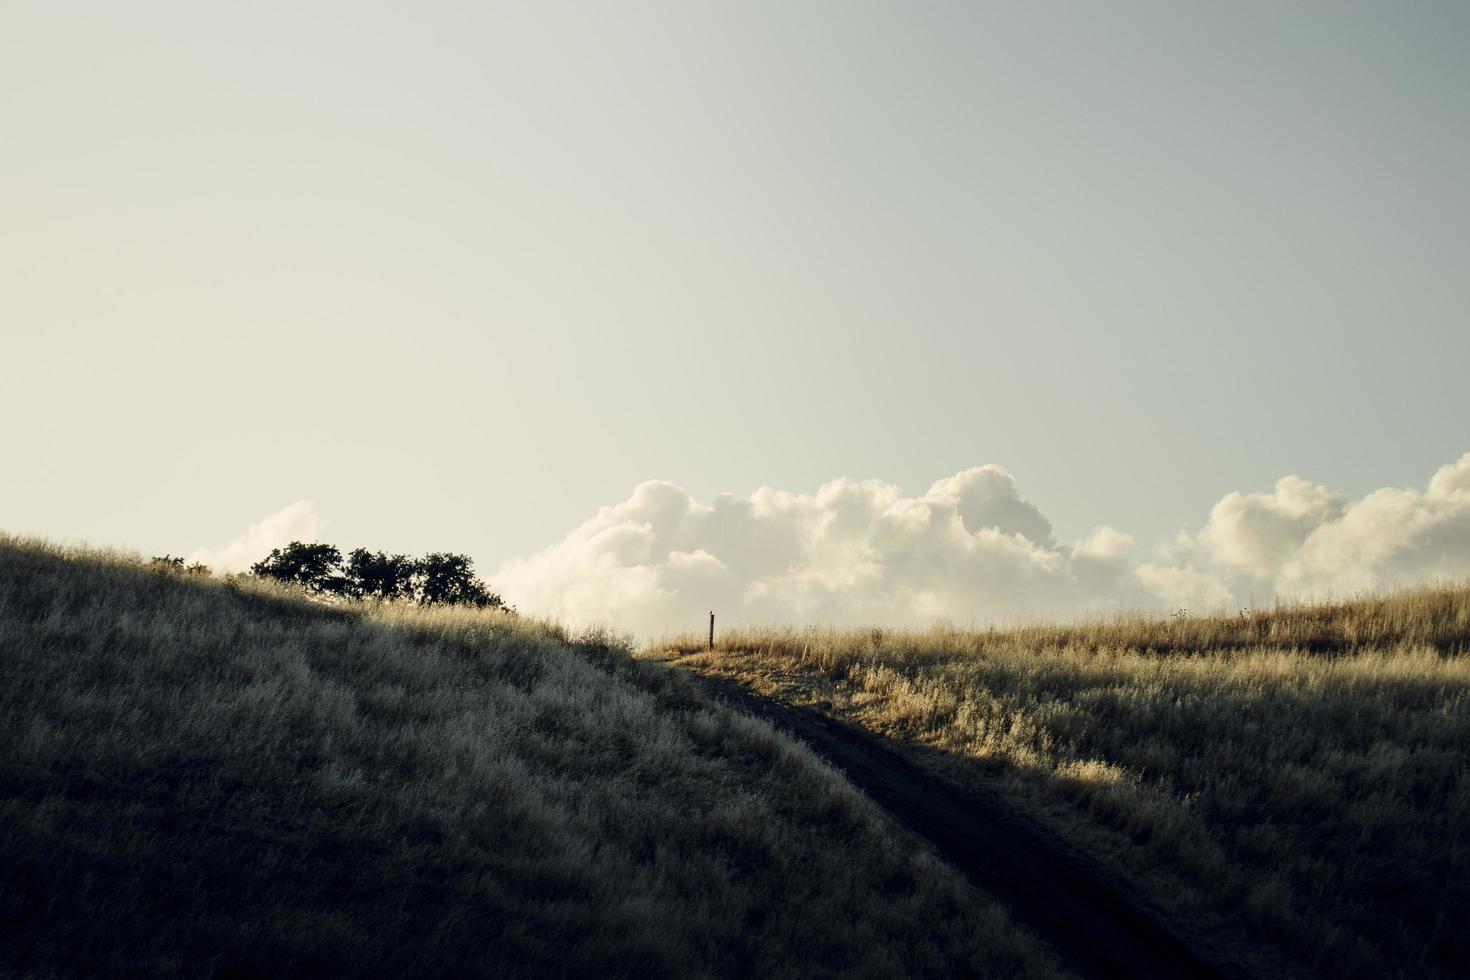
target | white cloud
x=1185, y=586
x=852, y=552
x=1256, y=534
x=1390, y=538
x=1306, y=541
x=985, y=496
x=295, y=522
x=971, y=549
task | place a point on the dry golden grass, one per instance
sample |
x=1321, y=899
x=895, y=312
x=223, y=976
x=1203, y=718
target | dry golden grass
x=1300, y=776
x=200, y=777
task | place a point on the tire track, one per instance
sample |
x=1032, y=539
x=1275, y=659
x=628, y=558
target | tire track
x=1096, y=926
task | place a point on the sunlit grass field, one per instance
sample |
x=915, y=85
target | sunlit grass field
x=1299, y=778
x=202, y=777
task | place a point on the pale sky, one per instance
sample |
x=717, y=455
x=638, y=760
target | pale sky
x=460, y=274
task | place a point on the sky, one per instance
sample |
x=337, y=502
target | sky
x=473, y=277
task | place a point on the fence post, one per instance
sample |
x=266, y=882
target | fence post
x=711, y=629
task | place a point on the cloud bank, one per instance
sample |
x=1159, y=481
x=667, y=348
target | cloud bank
x=294, y=522
x=972, y=549
x=1301, y=540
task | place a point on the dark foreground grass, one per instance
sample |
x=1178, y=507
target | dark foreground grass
x=208, y=778
x=1297, y=781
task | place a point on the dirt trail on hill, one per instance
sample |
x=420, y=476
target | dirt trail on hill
x=1094, y=924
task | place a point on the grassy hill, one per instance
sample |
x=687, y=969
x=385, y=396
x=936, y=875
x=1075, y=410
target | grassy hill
x=202, y=777
x=1298, y=779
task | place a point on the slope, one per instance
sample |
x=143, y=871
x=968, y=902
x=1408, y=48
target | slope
x=201, y=776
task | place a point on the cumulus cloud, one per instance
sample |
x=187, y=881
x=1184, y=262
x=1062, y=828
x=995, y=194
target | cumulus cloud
x=1390, y=538
x=973, y=549
x=295, y=522
x=969, y=549
x=1186, y=586
x=1257, y=534
x=1305, y=541
x=986, y=496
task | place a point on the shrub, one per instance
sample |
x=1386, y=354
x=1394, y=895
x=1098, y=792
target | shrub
x=174, y=564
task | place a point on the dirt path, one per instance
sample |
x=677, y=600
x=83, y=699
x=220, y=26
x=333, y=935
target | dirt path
x=1094, y=924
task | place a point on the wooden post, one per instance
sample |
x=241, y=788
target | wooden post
x=711, y=629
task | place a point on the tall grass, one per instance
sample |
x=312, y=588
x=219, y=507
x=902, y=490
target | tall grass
x=199, y=777
x=1301, y=776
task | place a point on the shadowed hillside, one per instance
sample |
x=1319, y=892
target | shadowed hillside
x=201, y=777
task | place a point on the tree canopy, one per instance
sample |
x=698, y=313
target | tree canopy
x=314, y=567
x=447, y=579
x=377, y=575
x=439, y=578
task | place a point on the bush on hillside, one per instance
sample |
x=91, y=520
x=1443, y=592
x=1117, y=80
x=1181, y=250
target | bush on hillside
x=173, y=563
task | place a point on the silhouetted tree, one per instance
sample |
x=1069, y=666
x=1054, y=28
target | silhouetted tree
x=314, y=567
x=439, y=579
x=448, y=579
x=377, y=575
